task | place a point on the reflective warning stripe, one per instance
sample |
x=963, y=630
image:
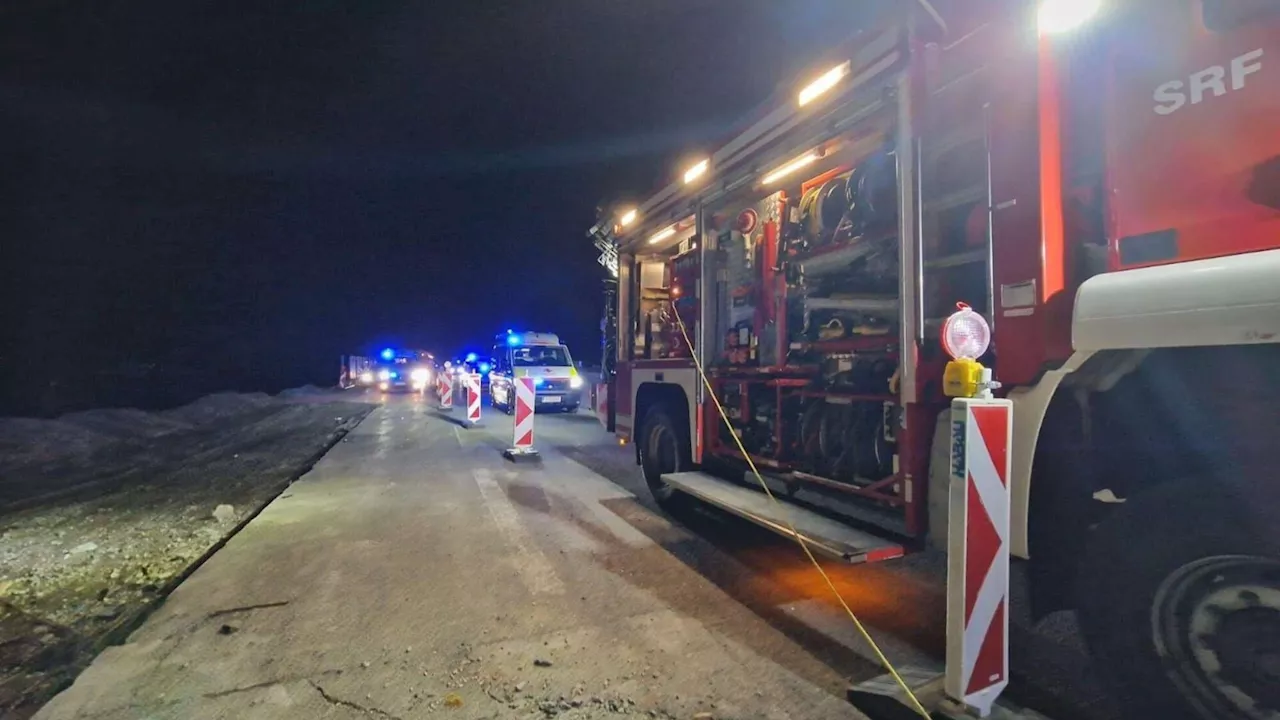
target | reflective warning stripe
x=473, y=398
x=978, y=580
x=987, y=559
x=445, y=388
x=525, y=399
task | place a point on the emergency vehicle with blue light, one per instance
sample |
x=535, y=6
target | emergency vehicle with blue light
x=402, y=371
x=541, y=356
x=1098, y=183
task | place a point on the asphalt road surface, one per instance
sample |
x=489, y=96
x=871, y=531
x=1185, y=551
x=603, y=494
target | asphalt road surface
x=414, y=572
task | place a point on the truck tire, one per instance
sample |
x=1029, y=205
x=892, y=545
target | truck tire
x=663, y=449
x=1181, y=612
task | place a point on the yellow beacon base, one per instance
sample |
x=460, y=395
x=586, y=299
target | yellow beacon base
x=962, y=378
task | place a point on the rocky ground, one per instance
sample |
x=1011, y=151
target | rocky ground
x=478, y=682
x=103, y=512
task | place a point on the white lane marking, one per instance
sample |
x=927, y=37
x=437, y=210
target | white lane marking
x=533, y=567
x=457, y=436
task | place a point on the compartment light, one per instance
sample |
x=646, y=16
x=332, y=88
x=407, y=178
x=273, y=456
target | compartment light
x=790, y=167
x=825, y=82
x=662, y=235
x=697, y=171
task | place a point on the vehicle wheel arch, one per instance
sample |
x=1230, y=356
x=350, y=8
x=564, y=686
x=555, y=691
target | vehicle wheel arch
x=651, y=396
x=664, y=447
x=1091, y=451
x=1050, y=481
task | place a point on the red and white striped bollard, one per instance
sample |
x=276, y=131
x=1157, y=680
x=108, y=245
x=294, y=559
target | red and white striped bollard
x=525, y=399
x=444, y=387
x=977, y=668
x=473, y=399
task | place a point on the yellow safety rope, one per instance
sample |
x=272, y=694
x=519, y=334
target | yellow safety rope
x=915, y=701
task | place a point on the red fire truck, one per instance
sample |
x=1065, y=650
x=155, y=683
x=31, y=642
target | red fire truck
x=1100, y=180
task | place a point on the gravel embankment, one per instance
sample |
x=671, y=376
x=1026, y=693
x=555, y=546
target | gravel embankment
x=103, y=512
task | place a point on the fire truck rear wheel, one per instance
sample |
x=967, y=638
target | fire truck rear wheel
x=663, y=450
x=1180, y=611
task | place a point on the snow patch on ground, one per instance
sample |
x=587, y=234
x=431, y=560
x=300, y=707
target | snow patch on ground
x=125, y=422
x=308, y=392
x=220, y=405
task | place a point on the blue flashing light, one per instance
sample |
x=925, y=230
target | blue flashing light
x=395, y=375
x=537, y=382
x=508, y=331
x=513, y=339
x=485, y=367
x=471, y=357
x=388, y=354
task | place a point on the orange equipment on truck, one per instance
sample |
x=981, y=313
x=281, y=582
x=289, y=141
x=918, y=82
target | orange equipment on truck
x=1100, y=181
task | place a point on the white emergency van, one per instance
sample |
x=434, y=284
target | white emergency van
x=542, y=357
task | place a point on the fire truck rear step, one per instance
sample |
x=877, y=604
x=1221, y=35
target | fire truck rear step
x=821, y=533
x=888, y=520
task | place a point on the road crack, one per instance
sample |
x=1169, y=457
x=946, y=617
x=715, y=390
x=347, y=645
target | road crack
x=247, y=608
x=267, y=683
x=237, y=690
x=354, y=706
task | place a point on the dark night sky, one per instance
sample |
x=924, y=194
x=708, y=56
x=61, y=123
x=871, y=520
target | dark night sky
x=240, y=191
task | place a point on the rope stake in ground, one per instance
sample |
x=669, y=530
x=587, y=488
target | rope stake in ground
x=862, y=630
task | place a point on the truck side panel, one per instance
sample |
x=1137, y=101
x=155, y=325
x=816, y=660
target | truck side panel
x=1193, y=152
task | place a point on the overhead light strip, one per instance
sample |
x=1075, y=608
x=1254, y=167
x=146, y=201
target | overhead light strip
x=791, y=167
x=662, y=234
x=825, y=82
x=697, y=171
